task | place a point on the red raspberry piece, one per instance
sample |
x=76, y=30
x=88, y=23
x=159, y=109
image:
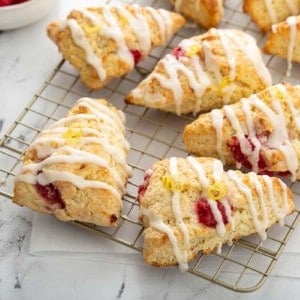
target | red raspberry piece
x=205, y=215
x=50, y=194
x=239, y=156
x=143, y=187
x=137, y=56
x=177, y=52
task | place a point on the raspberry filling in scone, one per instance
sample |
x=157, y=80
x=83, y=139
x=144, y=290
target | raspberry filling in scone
x=193, y=204
x=260, y=133
x=143, y=187
x=137, y=56
x=51, y=195
x=204, y=72
x=77, y=169
x=243, y=158
x=178, y=52
x=106, y=42
x=205, y=214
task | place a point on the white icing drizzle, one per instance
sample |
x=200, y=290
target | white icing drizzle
x=73, y=156
x=295, y=113
x=198, y=73
x=202, y=78
x=52, y=141
x=271, y=11
x=204, y=182
x=217, y=122
x=259, y=190
x=228, y=213
x=139, y=26
x=172, y=67
x=157, y=223
x=110, y=28
x=253, y=156
x=102, y=112
x=80, y=40
x=218, y=170
x=49, y=176
x=274, y=28
x=280, y=213
x=220, y=227
x=228, y=52
x=278, y=138
x=176, y=204
x=244, y=144
x=260, y=226
x=210, y=62
x=163, y=21
x=292, y=22
x=199, y=170
x=218, y=173
x=43, y=145
x=247, y=44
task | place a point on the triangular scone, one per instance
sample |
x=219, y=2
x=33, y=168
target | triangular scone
x=191, y=205
x=284, y=41
x=106, y=42
x=261, y=133
x=77, y=170
x=204, y=72
x=265, y=13
x=206, y=13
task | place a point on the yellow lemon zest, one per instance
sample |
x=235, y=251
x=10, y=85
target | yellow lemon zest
x=123, y=20
x=53, y=144
x=73, y=134
x=223, y=83
x=278, y=95
x=91, y=29
x=192, y=50
x=171, y=184
x=217, y=191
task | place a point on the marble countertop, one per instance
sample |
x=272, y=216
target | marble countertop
x=26, y=60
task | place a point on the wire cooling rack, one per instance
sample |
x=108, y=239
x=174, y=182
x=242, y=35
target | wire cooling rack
x=153, y=135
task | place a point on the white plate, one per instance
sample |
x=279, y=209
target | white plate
x=19, y=15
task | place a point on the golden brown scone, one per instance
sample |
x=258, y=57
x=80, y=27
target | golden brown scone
x=265, y=13
x=204, y=72
x=284, y=41
x=206, y=13
x=77, y=170
x=191, y=205
x=260, y=133
x=106, y=42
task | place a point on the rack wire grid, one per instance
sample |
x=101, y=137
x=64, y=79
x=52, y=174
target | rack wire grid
x=153, y=135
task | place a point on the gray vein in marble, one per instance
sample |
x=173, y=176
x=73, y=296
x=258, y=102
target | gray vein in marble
x=18, y=283
x=14, y=243
x=1, y=124
x=123, y=285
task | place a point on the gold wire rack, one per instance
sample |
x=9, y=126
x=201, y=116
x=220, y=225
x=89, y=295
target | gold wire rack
x=153, y=135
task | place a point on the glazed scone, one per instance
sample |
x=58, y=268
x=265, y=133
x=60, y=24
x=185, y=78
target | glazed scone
x=106, y=42
x=191, y=205
x=284, y=41
x=206, y=13
x=76, y=169
x=265, y=13
x=261, y=133
x=204, y=72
